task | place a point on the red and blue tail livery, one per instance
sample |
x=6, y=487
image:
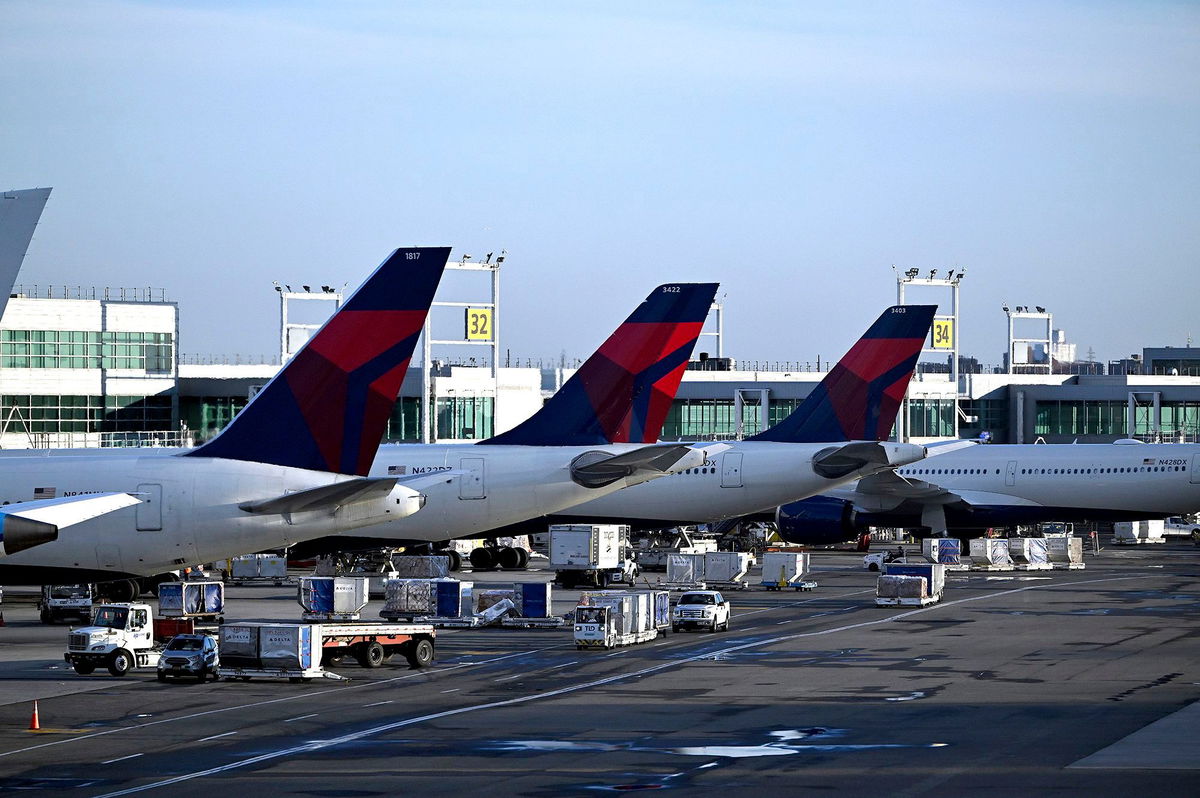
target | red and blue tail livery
x=859, y=398
x=623, y=392
x=327, y=409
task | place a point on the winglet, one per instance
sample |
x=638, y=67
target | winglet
x=327, y=409
x=859, y=398
x=623, y=392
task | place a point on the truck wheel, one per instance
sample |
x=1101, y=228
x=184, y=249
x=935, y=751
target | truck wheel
x=120, y=662
x=83, y=668
x=202, y=674
x=872, y=567
x=46, y=617
x=332, y=660
x=371, y=655
x=420, y=653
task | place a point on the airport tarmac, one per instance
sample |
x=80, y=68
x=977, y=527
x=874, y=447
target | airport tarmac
x=1016, y=684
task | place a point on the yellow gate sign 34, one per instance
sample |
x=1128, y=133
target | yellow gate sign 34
x=479, y=324
x=943, y=333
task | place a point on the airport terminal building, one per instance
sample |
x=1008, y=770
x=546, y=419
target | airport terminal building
x=101, y=367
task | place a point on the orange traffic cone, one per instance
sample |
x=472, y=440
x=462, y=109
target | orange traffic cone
x=34, y=723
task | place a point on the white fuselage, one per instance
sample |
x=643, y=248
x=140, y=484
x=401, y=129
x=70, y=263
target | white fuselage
x=1136, y=478
x=192, y=515
x=750, y=477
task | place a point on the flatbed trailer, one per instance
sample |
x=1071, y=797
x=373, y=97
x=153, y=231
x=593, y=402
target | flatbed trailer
x=301, y=651
x=372, y=643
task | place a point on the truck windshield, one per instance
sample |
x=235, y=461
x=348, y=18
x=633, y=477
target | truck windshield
x=112, y=617
x=69, y=591
x=697, y=598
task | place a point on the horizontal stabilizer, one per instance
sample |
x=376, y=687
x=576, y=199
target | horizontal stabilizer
x=836, y=462
x=339, y=494
x=598, y=469
x=28, y=524
x=324, y=497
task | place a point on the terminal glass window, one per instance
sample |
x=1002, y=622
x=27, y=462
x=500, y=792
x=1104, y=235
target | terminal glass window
x=931, y=418
x=80, y=349
x=465, y=417
x=708, y=419
x=1080, y=418
x=1181, y=418
x=404, y=425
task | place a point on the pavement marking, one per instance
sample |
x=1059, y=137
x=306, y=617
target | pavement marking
x=508, y=678
x=298, y=696
x=318, y=745
x=452, y=690
x=376, y=704
x=121, y=759
x=215, y=737
x=565, y=664
x=302, y=717
x=780, y=623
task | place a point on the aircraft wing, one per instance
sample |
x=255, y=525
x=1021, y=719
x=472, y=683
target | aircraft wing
x=887, y=490
x=27, y=524
x=598, y=469
x=350, y=491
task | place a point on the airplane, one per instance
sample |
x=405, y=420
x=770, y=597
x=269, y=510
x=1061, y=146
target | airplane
x=1002, y=485
x=836, y=435
x=291, y=465
x=298, y=462
x=585, y=441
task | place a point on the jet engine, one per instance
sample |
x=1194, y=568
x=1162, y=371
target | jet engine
x=817, y=521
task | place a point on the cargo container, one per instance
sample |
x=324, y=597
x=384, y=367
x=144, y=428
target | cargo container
x=299, y=651
x=783, y=569
x=258, y=568
x=1029, y=554
x=1065, y=552
x=1133, y=533
x=422, y=567
x=990, y=554
x=934, y=575
x=947, y=551
x=198, y=600
x=331, y=597
x=905, y=590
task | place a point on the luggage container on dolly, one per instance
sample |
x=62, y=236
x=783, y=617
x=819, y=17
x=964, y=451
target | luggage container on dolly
x=299, y=652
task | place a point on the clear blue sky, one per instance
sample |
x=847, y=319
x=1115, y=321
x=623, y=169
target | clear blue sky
x=793, y=151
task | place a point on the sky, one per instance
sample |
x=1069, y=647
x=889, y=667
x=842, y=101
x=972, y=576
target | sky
x=794, y=152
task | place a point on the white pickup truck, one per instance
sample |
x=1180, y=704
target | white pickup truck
x=701, y=609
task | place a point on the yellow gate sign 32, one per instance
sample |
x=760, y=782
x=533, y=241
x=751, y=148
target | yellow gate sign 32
x=943, y=333
x=479, y=324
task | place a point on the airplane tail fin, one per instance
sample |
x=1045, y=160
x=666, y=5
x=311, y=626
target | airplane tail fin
x=623, y=392
x=859, y=398
x=327, y=408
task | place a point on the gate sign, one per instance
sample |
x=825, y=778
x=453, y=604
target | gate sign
x=479, y=324
x=943, y=333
